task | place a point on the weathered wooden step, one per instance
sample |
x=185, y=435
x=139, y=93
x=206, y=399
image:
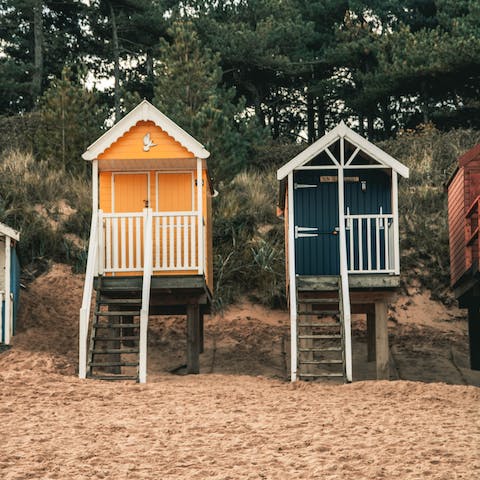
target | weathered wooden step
x=318, y=312
x=120, y=301
x=125, y=313
x=319, y=324
x=321, y=349
x=111, y=339
x=114, y=377
x=115, y=325
x=319, y=337
x=318, y=300
x=113, y=364
x=319, y=375
x=115, y=350
x=320, y=362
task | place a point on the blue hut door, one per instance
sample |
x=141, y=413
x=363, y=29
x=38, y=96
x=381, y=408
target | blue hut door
x=316, y=223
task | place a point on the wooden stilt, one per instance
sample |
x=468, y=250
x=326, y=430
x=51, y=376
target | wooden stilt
x=474, y=337
x=201, y=333
x=371, y=337
x=193, y=338
x=381, y=341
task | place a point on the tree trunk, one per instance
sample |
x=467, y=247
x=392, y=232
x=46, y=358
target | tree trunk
x=150, y=74
x=310, y=118
x=370, y=129
x=424, y=101
x=387, y=118
x=116, y=63
x=37, y=49
x=361, y=126
x=321, y=113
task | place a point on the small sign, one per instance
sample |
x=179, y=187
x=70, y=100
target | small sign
x=352, y=179
x=329, y=179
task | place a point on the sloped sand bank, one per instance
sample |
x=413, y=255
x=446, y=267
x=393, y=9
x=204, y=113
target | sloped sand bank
x=223, y=426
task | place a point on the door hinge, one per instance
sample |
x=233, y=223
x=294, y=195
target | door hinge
x=303, y=185
x=302, y=232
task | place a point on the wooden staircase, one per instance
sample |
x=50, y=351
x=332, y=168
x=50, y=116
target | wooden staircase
x=320, y=337
x=115, y=335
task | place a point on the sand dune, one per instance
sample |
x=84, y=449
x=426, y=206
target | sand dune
x=225, y=426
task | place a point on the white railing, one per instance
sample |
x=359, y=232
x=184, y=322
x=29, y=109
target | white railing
x=174, y=241
x=147, y=276
x=371, y=243
x=87, y=296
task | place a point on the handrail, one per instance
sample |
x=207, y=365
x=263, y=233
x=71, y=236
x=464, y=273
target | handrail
x=147, y=276
x=370, y=215
x=87, y=296
x=345, y=298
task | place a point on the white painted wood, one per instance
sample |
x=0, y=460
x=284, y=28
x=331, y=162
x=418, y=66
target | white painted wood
x=87, y=296
x=185, y=242
x=387, y=256
x=332, y=157
x=144, y=312
x=94, y=185
x=2, y=296
x=193, y=243
x=318, y=167
x=360, y=243
x=342, y=131
x=178, y=241
x=131, y=259
x=396, y=232
x=157, y=243
x=377, y=243
x=8, y=306
x=138, y=241
x=9, y=232
x=123, y=241
x=147, y=112
x=171, y=232
x=347, y=328
x=164, y=242
x=115, y=242
x=292, y=283
x=200, y=229
x=369, y=243
x=352, y=245
x=108, y=236
x=101, y=244
x=352, y=157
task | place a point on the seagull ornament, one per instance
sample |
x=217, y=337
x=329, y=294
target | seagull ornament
x=147, y=143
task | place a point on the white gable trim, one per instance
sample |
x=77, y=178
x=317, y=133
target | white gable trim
x=145, y=111
x=9, y=232
x=342, y=131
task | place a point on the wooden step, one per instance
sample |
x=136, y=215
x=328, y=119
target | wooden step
x=116, y=325
x=320, y=349
x=114, y=377
x=320, y=362
x=111, y=339
x=115, y=350
x=113, y=364
x=319, y=325
x=125, y=313
x=120, y=301
x=319, y=375
x=318, y=312
x=318, y=300
x=315, y=337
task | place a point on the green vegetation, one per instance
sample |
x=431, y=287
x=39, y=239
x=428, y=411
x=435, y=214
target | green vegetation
x=252, y=80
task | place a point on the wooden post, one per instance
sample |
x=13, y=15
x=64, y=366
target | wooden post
x=7, y=311
x=201, y=332
x=371, y=337
x=474, y=337
x=381, y=341
x=193, y=338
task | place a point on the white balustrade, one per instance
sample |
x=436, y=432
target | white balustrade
x=370, y=242
x=174, y=237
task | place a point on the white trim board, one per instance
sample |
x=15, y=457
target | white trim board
x=145, y=111
x=342, y=131
x=9, y=232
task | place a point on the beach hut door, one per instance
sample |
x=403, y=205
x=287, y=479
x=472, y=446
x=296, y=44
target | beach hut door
x=316, y=224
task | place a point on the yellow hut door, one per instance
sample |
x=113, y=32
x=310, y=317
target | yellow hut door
x=175, y=227
x=129, y=198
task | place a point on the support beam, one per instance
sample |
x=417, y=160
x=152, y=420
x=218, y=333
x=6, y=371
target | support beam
x=474, y=336
x=193, y=338
x=201, y=333
x=381, y=341
x=371, y=340
x=7, y=324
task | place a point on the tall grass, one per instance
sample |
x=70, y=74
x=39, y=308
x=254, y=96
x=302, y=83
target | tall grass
x=33, y=200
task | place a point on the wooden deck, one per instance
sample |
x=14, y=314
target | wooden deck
x=170, y=295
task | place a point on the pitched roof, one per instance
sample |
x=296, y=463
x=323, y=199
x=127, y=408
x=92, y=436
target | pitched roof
x=9, y=232
x=341, y=130
x=147, y=112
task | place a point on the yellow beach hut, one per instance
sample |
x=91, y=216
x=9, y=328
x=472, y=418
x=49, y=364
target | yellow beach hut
x=150, y=248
